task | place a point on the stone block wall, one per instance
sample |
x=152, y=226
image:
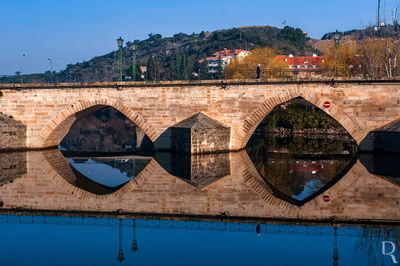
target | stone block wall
x=12, y=166
x=358, y=196
x=210, y=140
x=12, y=134
x=48, y=111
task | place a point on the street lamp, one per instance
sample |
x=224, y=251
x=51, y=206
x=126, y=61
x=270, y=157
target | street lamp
x=335, y=255
x=134, y=62
x=120, y=43
x=134, y=241
x=51, y=69
x=23, y=56
x=336, y=38
x=121, y=256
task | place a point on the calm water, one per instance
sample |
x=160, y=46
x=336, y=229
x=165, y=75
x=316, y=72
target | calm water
x=42, y=240
x=310, y=199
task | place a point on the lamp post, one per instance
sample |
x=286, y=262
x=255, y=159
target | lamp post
x=23, y=56
x=120, y=257
x=336, y=38
x=134, y=247
x=134, y=62
x=120, y=43
x=335, y=255
x=51, y=69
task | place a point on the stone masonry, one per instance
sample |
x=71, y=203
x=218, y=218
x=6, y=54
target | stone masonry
x=358, y=196
x=200, y=134
x=48, y=111
x=12, y=133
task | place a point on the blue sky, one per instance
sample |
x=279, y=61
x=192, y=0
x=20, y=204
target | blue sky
x=70, y=31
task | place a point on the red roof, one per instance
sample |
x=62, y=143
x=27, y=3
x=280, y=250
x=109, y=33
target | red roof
x=223, y=54
x=301, y=60
x=230, y=52
x=210, y=59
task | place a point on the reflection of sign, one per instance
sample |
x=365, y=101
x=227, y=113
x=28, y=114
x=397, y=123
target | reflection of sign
x=327, y=104
x=326, y=198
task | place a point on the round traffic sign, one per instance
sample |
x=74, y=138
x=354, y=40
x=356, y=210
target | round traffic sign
x=326, y=198
x=327, y=104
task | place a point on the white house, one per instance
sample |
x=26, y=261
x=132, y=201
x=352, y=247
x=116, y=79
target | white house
x=224, y=58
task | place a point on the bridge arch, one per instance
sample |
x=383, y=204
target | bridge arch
x=52, y=134
x=60, y=172
x=254, y=119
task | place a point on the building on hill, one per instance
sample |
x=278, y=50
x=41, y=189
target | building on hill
x=303, y=66
x=223, y=58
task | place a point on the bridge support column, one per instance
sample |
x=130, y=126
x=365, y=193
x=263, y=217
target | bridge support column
x=139, y=137
x=198, y=134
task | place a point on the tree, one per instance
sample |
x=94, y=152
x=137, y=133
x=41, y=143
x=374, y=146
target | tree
x=380, y=58
x=150, y=73
x=181, y=67
x=345, y=59
x=220, y=70
x=246, y=68
x=373, y=58
x=203, y=70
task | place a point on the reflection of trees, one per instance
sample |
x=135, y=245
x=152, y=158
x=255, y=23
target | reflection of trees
x=370, y=243
x=297, y=175
x=299, y=114
x=300, y=144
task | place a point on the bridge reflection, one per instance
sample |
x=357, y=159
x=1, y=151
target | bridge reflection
x=198, y=170
x=298, y=180
x=366, y=237
x=218, y=186
x=12, y=166
x=106, y=175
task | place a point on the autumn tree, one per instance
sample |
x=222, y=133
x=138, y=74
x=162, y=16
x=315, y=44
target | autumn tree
x=371, y=58
x=343, y=59
x=380, y=58
x=246, y=67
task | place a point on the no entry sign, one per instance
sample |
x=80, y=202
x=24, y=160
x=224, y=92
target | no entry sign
x=327, y=104
x=326, y=198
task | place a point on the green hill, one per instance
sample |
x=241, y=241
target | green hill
x=176, y=57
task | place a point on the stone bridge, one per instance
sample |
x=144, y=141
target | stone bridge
x=46, y=183
x=49, y=110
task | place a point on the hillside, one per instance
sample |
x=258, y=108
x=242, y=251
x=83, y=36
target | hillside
x=176, y=57
x=389, y=31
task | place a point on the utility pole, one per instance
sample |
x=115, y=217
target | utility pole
x=51, y=69
x=379, y=14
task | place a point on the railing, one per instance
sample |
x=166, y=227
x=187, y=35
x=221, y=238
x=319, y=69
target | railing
x=268, y=75
x=198, y=225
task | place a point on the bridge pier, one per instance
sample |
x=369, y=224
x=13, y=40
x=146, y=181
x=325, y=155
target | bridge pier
x=198, y=134
x=48, y=111
x=139, y=137
x=385, y=139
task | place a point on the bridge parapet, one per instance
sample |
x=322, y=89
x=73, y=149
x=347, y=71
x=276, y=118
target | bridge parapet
x=49, y=110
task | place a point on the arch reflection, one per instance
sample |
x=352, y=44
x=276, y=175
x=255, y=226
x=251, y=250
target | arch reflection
x=106, y=175
x=197, y=170
x=96, y=175
x=298, y=177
